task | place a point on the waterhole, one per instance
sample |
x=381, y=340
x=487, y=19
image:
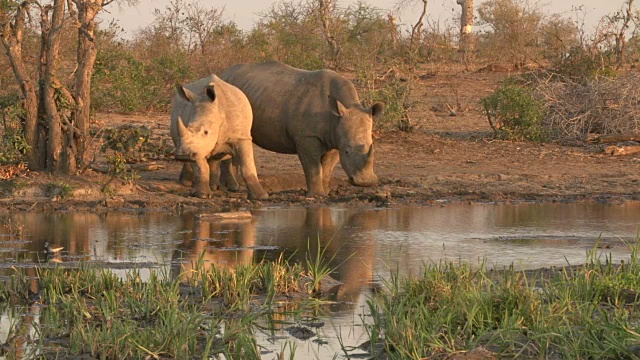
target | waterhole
x=363, y=246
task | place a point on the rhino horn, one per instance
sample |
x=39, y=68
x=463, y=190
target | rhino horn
x=182, y=130
x=185, y=93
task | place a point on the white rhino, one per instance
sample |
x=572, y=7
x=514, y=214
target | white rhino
x=211, y=120
x=315, y=114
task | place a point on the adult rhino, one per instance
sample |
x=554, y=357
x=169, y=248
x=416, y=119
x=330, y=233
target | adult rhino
x=315, y=114
x=211, y=120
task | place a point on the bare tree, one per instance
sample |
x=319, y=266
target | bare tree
x=612, y=30
x=203, y=23
x=466, y=29
x=12, y=23
x=85, y=15
x=393, y=25
x=625, y=16
x=50, y=85
x=56, y=118
x=416, y=29
x=325, y=8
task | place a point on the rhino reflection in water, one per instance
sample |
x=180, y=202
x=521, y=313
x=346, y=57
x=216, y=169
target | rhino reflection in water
x=352, y=261
x=315, y=114
x=216, y=243
x=302, y=228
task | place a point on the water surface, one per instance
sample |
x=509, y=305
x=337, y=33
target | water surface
x=364, y=245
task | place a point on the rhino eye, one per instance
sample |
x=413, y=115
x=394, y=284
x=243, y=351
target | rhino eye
x=206, y=132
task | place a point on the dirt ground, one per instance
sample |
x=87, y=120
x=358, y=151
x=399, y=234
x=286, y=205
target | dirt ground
x=444, y=159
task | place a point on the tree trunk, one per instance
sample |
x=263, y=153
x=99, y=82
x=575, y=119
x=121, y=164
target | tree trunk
x=621, y=40
x=416, y=31
x=466, y=30
x=45, y=27
x=622, y=150
x=86, y=56
x=58, y=161
x=611, y=138
x=325, y=14
x=12, y=37
x=393, y=25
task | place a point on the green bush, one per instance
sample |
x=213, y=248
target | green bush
x=13, y=144
x=514, y=113
x=133, y=143
x=394, y=93
x=580, y=65
x=123, y=83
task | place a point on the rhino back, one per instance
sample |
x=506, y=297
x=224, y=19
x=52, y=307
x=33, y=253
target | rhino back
x=290, y=103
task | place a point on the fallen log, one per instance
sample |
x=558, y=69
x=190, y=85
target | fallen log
x=232, y=215
x=622, y=150
x=605, y=139
x=105, y=169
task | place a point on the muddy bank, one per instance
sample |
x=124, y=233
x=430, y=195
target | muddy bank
x=418, y=168
x=445, y=159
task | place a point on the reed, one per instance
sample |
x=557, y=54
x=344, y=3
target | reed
x=587, y=311
x=211, y=310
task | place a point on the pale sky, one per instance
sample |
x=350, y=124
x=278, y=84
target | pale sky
x=245, y=12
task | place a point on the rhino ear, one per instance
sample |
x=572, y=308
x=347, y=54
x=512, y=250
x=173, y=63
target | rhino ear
x=185, y=93
x=342, y=110
x=377, y=110
x=210, y=90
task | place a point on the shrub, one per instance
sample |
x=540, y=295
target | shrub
x=394, y=92
x=290, y=32
x=513, y=30
x=602, y=105
x=514, y=113
x=133, y=143
x=125, y=84
x=13, y=144
x=581, y=65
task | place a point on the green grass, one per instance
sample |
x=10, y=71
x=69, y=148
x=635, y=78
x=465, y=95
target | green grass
x=89, y=311
x=580, y=312
x=576, y=312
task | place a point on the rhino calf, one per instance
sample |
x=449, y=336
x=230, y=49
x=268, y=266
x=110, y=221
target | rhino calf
x=210, y=121
x=315, y=114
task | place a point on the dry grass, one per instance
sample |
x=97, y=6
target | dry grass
x=603, y=105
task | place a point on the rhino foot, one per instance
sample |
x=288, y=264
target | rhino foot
x=316, y=194
x=233, y=188
x=262, y=196
x=185, y=182
x=202, y=194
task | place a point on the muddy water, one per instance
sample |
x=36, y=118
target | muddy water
x=364, y=245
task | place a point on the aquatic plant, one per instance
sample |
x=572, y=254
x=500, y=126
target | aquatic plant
x=208, y=311
x=586, y=311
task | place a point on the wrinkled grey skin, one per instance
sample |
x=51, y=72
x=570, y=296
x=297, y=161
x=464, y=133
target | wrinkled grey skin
x=315, y=114
x=210, y=121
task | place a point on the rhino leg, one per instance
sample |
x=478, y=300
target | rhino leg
x=201, y=187
x=243, y=157
x=186, y=175
x=329, y=161
x=228, y=176
x=310, y=152
x=214, y=173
